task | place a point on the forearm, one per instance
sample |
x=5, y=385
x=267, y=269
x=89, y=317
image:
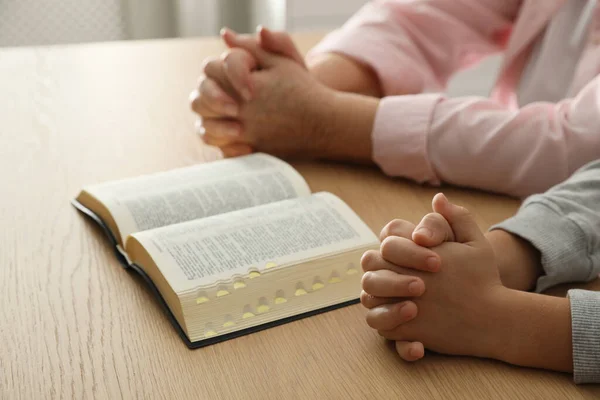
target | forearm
x=534, y=331
x=518, y=261
x=344, y=74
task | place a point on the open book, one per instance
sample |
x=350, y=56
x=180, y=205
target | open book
x=233, y=246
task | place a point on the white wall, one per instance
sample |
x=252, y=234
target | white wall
x=197, y=17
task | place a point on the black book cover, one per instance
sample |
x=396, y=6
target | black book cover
x=154, y=290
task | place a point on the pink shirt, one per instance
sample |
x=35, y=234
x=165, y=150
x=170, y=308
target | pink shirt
x=487, y=143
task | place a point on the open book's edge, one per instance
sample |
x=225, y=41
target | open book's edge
x=154, y=290
x=113, y=241
x=232, y=335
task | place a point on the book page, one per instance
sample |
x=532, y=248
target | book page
x=200, y=191
x=261, y=239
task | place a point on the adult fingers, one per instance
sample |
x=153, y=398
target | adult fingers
x=236, y=150
x=238, y=66
x=229, y=130
x=210, y=100
x=280, y=43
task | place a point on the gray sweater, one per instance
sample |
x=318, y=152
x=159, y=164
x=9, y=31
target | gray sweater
x=564, y=225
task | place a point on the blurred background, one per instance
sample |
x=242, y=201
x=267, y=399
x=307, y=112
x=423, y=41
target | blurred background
x=51, y=22
x=46, y=22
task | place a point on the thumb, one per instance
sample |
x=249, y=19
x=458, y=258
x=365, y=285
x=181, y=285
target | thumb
x=279, y=43
x=460, y=219
x=250, y=44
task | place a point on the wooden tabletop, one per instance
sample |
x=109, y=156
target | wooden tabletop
x=74, y=324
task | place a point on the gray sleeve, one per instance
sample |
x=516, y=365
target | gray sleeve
x=585, y=328
x=564, y=225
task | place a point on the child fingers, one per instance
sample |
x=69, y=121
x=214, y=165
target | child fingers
x=432, y=231
x=389, y=316
x=369, y=301
x=410, y=351
x=397, y=227
x=406, y=253
x=460, y=219
x=210, y=100
x=371, y=260
x=239, y=64
x=386, y=283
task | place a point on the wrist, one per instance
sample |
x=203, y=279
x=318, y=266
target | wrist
x=519, y=262
x=533, y=330
x=345, y=125
x=496, y=330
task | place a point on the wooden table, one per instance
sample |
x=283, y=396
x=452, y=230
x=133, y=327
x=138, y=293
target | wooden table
x=75, y=325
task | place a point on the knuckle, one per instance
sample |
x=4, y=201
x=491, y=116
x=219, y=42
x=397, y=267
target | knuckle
x=367, y=281
x=209, y=64
x=398, y=228
x=368, y=259
x=203, y=86
x=432, y=218
x=392, y=227
x=463, y=212
x=388, y=245
x=409, y=311
x=371, y=320
x=365, y=299
x=229, y=56
x=196, y=103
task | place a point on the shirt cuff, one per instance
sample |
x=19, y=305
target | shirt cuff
x=560, y=241
x=585, y=326
x=400, y=135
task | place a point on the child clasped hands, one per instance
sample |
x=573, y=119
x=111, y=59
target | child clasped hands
x=437, y=286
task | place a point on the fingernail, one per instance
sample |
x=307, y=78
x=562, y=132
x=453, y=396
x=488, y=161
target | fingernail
x=246, y=95
x=414, y=288
x=425, y=232
x=199, y=127
x=415, y=352
x=433, y=263
x=194, y=95
x=259, y=28
x=231, y=110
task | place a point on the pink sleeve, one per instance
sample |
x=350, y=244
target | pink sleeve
x=415, y=46
x=479, y=143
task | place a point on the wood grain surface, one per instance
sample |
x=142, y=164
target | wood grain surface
x=74, y=325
